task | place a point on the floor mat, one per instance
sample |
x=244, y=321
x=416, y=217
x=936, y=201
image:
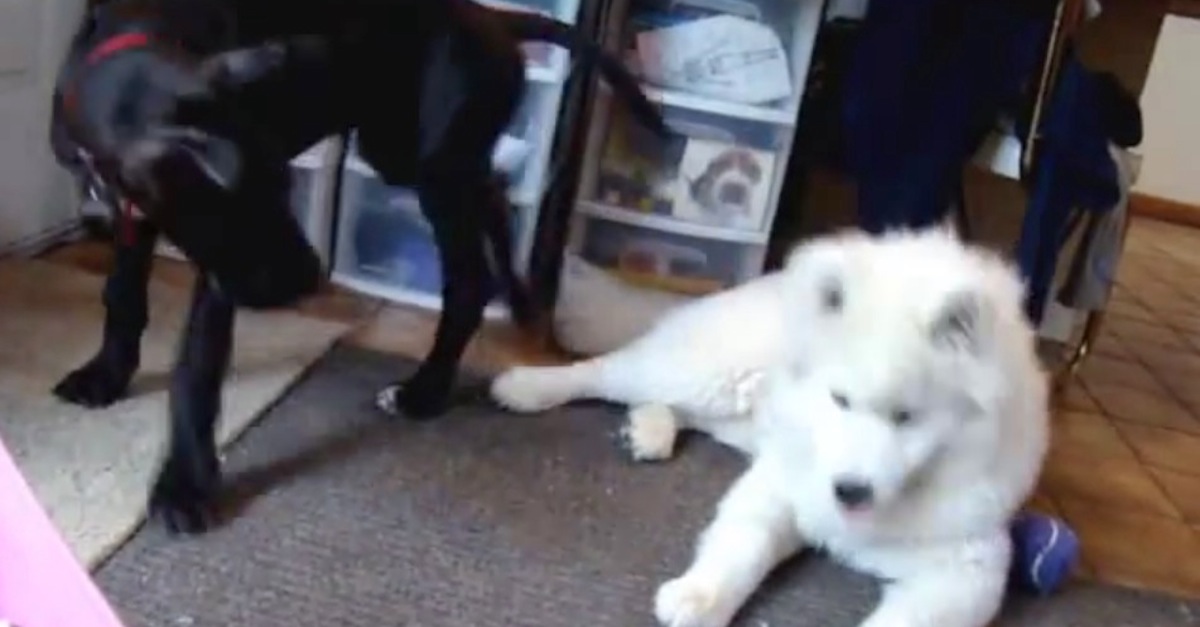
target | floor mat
x=480, y=519
x=90, y=468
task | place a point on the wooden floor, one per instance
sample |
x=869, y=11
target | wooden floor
x=398, y=329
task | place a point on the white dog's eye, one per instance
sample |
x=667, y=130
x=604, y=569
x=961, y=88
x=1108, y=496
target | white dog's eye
x=840, y=400
x=831, y=296
x=901, y=417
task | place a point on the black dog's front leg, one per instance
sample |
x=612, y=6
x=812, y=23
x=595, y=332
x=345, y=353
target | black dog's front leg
x=105, y=378
x=185, y=493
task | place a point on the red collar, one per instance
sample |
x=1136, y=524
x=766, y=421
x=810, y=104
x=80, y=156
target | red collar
x=115, y=44
x=107, y=48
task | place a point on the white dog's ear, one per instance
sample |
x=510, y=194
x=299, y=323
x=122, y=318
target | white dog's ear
x=814, y=272
x=947, y=229
x=959, y=323
x=832, y=294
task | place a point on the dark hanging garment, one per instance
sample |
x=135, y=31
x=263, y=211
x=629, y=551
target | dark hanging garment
x=930, y=79
x=1087, y=113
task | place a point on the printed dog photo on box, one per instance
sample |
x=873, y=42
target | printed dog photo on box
x=724, y=185
x=710, y=170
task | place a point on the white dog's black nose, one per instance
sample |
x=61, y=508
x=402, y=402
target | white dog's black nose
x=853, y=493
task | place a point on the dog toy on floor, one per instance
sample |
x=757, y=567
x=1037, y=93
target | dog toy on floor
x=1045, y=551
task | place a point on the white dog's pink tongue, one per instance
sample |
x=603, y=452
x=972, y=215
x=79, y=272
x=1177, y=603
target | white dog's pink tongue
x=857, y=514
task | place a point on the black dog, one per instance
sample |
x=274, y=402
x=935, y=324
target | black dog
x=185, y=114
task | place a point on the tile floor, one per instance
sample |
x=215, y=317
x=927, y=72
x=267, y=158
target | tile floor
x=1124, y=466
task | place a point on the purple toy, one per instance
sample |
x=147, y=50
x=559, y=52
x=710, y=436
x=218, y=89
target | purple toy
x=1045, y=551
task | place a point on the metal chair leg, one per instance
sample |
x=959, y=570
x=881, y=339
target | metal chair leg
x=1093, y=324
x=1092, y=327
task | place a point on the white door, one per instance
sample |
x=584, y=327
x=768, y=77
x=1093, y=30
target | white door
x=36, y=196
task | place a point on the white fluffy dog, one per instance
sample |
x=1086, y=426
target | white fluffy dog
x=889, y=396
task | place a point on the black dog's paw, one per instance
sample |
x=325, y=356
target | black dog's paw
x=412, y=401
x=387, y=399
x=185, y=501
x=98, y=383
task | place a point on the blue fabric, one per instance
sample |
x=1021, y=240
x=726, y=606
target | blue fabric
x=1075, y=171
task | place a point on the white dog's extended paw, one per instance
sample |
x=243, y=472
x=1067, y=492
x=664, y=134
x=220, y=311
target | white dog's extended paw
x=650, y=433
x=531, y=389
x=690, y=602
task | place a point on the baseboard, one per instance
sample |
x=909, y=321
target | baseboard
x=1184, y=8
x=1165, y=209
x=39, y=242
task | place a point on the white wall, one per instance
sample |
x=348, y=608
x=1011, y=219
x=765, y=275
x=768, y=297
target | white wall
x=1171, y=110
x=36, y=195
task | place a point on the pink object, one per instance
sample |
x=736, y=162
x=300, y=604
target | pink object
x=41, y=582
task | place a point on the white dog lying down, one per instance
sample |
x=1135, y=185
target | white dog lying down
x=889, y=396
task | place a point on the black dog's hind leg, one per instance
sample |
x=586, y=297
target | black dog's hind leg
x=497, y=216
x=105, y=378
x=184, y=495
x=474, y=83
x=452, y=210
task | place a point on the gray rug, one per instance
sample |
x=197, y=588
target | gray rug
x=480, y=519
